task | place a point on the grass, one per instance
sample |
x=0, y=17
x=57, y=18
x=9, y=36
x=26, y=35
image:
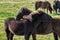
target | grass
x=11, y=10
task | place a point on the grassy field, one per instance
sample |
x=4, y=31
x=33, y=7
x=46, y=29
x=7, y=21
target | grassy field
x=9, y=8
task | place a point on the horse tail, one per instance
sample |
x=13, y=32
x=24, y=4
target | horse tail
x=6, y=22
x=6, y=26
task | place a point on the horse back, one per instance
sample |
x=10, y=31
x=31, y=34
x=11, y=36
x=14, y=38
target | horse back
x=14, y=26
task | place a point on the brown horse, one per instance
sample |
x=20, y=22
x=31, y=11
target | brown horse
x=44, y=24
x=43, y=5
x=16, y=26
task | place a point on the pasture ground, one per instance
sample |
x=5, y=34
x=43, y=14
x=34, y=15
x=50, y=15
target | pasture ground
x=9, y=8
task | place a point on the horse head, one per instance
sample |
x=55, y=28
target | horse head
x=23, y=11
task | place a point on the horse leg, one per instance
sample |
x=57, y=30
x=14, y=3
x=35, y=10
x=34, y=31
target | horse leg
x=47, y=10
x=55, y=36
x=27, y=31
x=27, y=35
x=59, y=10
x=34, y=36
x=36, y=6
x=28, y=27
x=50, y=9
x=56, y=11
x=7, y=33
x=11, y=36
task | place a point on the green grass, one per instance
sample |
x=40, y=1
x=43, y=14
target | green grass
x=11, y=9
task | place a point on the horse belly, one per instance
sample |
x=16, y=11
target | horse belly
x=44, y=28
x=17, y=29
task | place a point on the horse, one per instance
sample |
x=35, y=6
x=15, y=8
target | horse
x=44, y=24
x=43, y=5
x=16, y=26
x=56, y=5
